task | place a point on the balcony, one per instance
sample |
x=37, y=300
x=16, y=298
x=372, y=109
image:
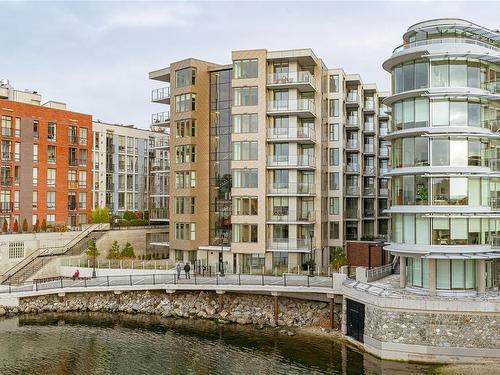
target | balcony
x=383, y=171
x=160, y=166
x=6, y=132
x=291, y=161
x=299, y=245
x=72, y=206
x=298, y=107
x=383, y=192
x=369, y=127
x=161, y=95
x=110, y=186
x=302, y=81
x=6, y=156
x=283, y=215
x=383, y=132
x=352, y=122
x=162, y=142
x=160, y=118
x=352, y=145
x=351, y=213
x=369, y=190
x=369, y=213
x=384, y=111
x=369, y=105
x=493, y=87
x=369, y=170
x=72, y=162
x=159, y=214
x=383, y=152
x=299, y=134
x=352, y=98
x=292, y=189
x=352, y=168
x=72, y=184
x=352, y=190
x=369, y=148
x=73, y=139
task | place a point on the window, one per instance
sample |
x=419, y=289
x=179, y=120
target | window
x=244, y=233
x=334, y=156
x=35, y=199
x=245, y=69
x=52, y=131
x=245, y=178
x=185, y=154
x=334, y=132
x=334, y=180
x=334, y=230
x=185, y=231
x=184, y=205
x=244, y=96
x=186, y=128
x=185, y=77
x=35, y=129
x=82, y=157
x=334, y=107
x=51, y=200
x=440, y=152
x=35, y=152
x=439, y=74
x=51, y=177
x=334, y=83
x=16, y=249
x=51, y=219
x=245, y=150
x=35, y=176
x=6, y=150
x=245, y=206
x=83, y=136
x=72, y=157
x=82, y=179
x=334, y=206
x=6, y=126
x=185, y=179
x=17, y=151
x=72, y=183
x=51, y=154
x=246, y=123
x=82, y=200
x=185, y=102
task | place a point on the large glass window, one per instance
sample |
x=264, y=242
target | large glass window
x=440, y=113
x=185, y=77
x=243, y=96
x=439, y=74
x=245, y=68
x=458, y=74
x=440, y=152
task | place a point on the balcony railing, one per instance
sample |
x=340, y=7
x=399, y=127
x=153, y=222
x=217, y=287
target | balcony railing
x=6, y=131
x=352, y=121
x=73, y=162
x=110, y=186
x=493, y=87
x=369, y=148
x=288, y=189
x=291, y=161
x=352, y=144
x=351, y=167
x=351, y=213
x=72, y=184
x=160, y=117
x=162, y=142
x=352, y=190
x=289, y=244
x=383, y=171
x=6, y=181
x=369, y=105
x=383, y=152
x=369, y=170
x=383, y=132
x=369, y=190
x=283, y=214
x=160, y=94
x=369, y=127
x=160, y=166
x=291, y=78
x=292, y=105
x=383, y=192
x=368, y=212
x=352, y=97
x=6, y=207
x=303, y=132
x=443, y=41
x=158, y=214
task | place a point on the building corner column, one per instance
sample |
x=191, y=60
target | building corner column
x=402, y=272
x=481, y=275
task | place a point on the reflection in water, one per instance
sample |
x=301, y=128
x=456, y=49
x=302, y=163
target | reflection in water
x=95, y=343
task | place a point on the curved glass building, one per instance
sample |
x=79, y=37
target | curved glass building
x=446, y=156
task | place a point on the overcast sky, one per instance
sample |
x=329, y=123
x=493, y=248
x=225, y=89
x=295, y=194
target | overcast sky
x=95, y=56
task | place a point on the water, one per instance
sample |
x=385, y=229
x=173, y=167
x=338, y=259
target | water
x=96, y=343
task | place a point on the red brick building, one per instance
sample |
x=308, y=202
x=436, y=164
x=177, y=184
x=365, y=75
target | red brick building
x=46, y=165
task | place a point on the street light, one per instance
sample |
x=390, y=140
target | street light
x=221, y=262
x=311, y=236
x=94, y=256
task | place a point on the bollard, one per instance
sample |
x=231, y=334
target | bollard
x=130, y=280
x=154, y=280
x=262, y=278
x=217, y=279
x=284, y=279
x=239, y=279
x=107, y=280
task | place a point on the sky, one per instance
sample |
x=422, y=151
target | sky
x=95, y=56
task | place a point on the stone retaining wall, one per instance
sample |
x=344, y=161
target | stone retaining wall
x=236, y=308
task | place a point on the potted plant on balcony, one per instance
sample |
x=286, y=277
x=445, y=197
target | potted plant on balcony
x=422, y=193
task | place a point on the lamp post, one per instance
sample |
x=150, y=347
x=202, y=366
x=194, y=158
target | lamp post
x=94, y=256
x=221, y=262
x=311, y=236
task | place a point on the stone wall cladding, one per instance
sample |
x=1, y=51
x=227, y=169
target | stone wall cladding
x=237, y=308
x=433, y=329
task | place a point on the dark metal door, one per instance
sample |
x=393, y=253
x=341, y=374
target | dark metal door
x=355, y=320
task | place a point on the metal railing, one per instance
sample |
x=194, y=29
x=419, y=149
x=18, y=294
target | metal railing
x=292, y=105
x=352, y=190
x=301, y=132
x=160, y=94
x=160, y=264
x=160, y=117
x=351, y=167
x=443, y=41
x=284, y=215
x=289, y=244
x=291, y=161
x=352, y=144
x=297, y=188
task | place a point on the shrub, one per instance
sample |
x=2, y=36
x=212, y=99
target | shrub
x=25, y=225
x=15, y=228
x=128, y=251
x=138, y=222
x=5, y=226
x=129, y=215
x=44, y=225
x=340, y=259
x=99, y=215
x=36, y=227
x=92, y=251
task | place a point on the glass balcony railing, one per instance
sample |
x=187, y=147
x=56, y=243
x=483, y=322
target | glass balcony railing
x=352, y=190
x=383, y=132
x=160, y=94
x=292, y=105
x=369, y=148
x=369, y=127
x=300, y=188
x=369, y=170
x=352, y=97
x=369, y=105
x=351, y=167
x=383, y=192
x=493, y=87
x=352, y=121
x=291, y=161
x=282, y=214
x=351, y=213
x=160, y=117
x=369, y=190
x=444, y=41
x=287, y=78
x=352, y=144
x=158, y=214
x=290, y=244
x=303, y=132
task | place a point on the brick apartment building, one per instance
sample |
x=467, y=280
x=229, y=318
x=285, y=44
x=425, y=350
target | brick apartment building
x=45, y=156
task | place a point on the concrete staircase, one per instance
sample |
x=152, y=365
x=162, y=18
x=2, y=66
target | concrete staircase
x=39, y=258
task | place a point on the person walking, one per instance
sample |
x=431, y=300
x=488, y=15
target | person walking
x=187, y=268
x=179, y=270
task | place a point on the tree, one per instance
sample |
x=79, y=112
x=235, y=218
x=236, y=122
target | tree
x=128, y=251
x=15, y=228
x=340, y=259
x=5, y=226
x=44, y=225
x=114, y=251
x=99, y=215
x=92, y=251
x=129, y=215
x=25, y=225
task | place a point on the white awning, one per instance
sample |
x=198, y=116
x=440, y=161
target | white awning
x=484, y=256
x=215, y=248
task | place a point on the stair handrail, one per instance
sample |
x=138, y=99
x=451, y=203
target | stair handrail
x=44, y=251
x=395, y=262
